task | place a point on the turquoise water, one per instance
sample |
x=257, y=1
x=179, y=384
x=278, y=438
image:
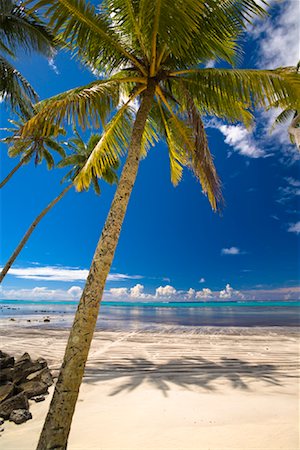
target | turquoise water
x=208, y=304
x=135, y=315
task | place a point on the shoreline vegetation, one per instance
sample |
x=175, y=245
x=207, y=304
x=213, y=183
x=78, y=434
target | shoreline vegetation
x=204, y=387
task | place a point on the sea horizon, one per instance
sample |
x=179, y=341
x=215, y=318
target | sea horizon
x=118, y=315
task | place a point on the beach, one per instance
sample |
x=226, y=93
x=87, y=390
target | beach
x=178, y=388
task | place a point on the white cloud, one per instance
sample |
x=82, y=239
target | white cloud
x=279, y=38
x=290, y=191
x=119, y=292
x=190, y=294
x=165, y=291
x=231, y=251
x=56, y=273
x=294, y=228
x=137, y=291
x=210, y=63
x=41, y=293
x=241, y=140
x=229, y=292
x=53, y=65
x=75, y=291
x=204, y=293
x=202, y=280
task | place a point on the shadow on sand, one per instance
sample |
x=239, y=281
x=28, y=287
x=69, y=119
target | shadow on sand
x=188, y=373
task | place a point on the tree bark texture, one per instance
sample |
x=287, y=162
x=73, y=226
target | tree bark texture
x=57, y=425
x=6, y=179
x=29, y=232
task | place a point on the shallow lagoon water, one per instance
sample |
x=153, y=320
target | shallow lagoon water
x=132, y=315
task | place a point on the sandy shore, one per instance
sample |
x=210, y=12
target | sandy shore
x=230, y=389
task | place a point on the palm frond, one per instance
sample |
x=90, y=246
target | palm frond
x=20, y=28
x=125, y=17
x=88, y=105
x=200, y=157
x=15, y=89
x=91, y=32
x=248, y=88
x=111, y=146
x=149, y=138
x=176, y=155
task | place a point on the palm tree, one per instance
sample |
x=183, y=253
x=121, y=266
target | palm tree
x=153, y=53
x=20, y=28
x=35, y=146
x=80, y=154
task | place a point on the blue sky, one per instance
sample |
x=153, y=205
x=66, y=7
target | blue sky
x=172, y=245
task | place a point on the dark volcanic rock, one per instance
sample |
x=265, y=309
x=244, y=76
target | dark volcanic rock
x=46, y=320
x=6, y=375
x=7, y=361
x=18, y=401
x=42, y=362
x=6, y=391
x=25, y=366
x=20, y=415
x=43, y=375
x=3, y=354
x=34, y=388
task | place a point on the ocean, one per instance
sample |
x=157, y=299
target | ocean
x=149, y=315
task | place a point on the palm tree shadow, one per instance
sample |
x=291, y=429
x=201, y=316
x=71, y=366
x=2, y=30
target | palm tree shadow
x=188, y=373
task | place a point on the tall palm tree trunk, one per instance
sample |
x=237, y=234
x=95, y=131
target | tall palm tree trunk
x=30, y=230
x=58, y=421
x=6, y=179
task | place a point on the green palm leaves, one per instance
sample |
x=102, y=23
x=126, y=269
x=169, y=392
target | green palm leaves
x=20, y=28
x=139, y=42
x=80, y=153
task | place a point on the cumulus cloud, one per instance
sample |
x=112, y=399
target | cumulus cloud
x=118, y=292
x=137, y=291
x=204, y=293
x=165, y=291
x=202, y=280
x=229, y=292
x=294, y=228
x=231, y=251
x=41, y=293
x=68, y=274
x=278, y=38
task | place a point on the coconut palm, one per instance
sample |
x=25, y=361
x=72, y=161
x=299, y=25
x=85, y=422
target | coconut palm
x=153, y=53
x=34, y=146
x=20, y=29
x=80, y=152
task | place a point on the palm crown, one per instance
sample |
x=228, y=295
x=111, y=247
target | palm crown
x=163, y=43
x=80, y=153
x=35, y=146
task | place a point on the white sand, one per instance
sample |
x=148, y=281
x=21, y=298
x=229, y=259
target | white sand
x=176, y=390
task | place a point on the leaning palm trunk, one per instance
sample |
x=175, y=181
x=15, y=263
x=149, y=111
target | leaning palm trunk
x=58, y=421
x=11, y=173
x=29, y=232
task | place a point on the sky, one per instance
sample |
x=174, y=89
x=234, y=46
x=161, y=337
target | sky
x=172, y=245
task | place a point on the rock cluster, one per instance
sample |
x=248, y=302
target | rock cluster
x=20, y=380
